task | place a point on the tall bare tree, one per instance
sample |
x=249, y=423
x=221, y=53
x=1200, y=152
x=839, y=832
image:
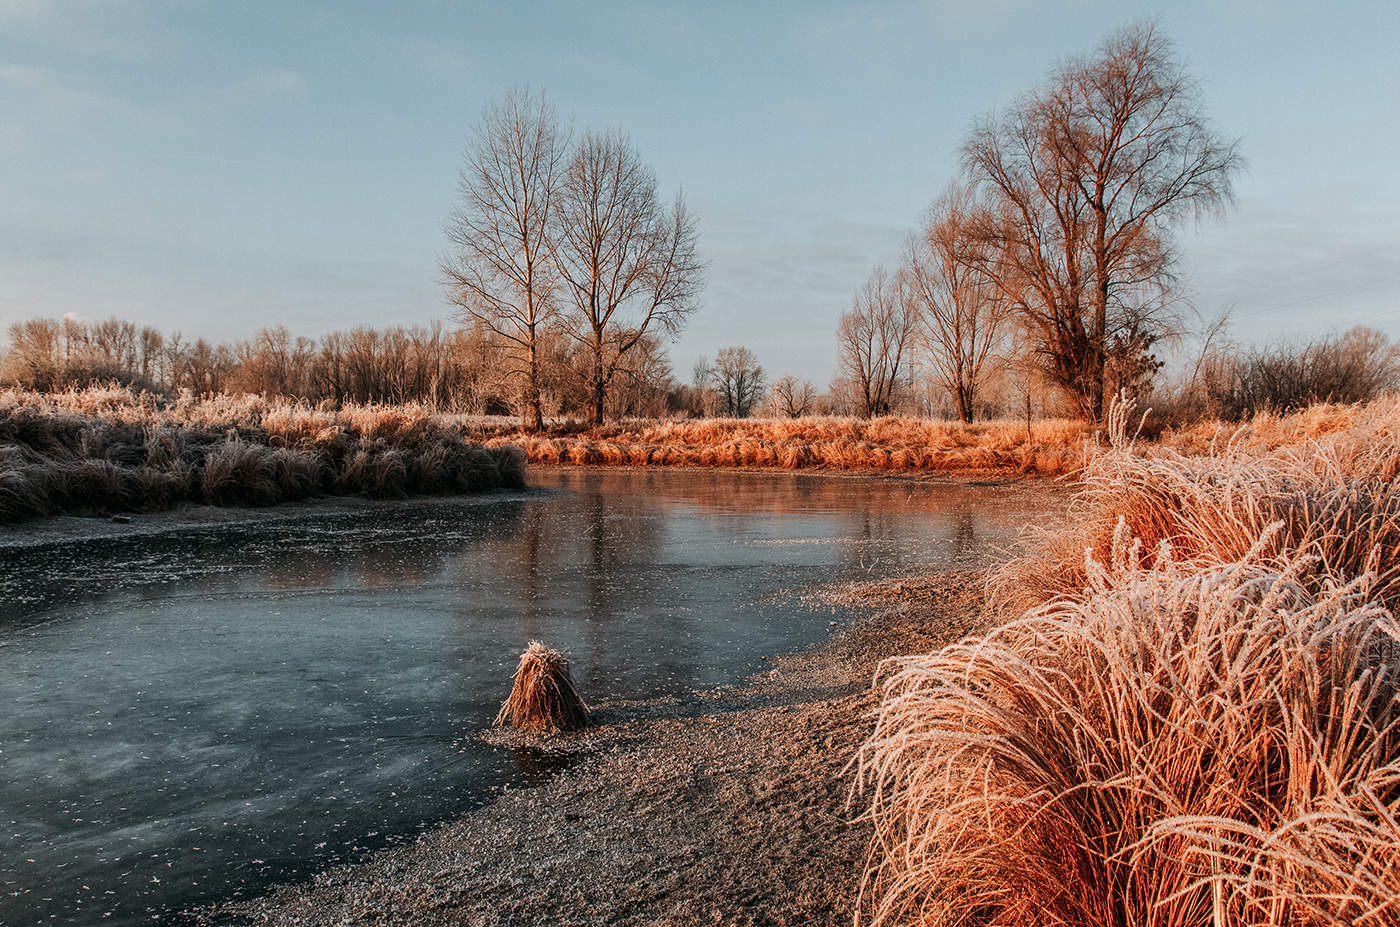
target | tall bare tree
x=874, y=341
x=502, y=274
x=1090, y=173
x=629, y=265
x=961, y=310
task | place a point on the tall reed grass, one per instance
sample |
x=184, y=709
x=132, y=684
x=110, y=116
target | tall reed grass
x=1053, y=447
x=1327, y=476
x=114, y=450
x=1193, y=720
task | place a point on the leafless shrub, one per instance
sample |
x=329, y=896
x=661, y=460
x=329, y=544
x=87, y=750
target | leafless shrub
x=1357, y=366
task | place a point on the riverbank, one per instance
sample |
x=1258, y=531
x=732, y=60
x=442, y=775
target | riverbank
x=63, y=529
x=726, y=807
x=111, y=450
x=1046, y=448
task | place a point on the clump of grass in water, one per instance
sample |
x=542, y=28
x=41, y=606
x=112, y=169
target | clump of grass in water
x=543, y=698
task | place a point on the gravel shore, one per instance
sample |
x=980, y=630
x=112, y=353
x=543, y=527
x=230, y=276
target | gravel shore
x=728, y=807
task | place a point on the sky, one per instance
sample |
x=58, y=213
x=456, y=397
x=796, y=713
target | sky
x=218, y=167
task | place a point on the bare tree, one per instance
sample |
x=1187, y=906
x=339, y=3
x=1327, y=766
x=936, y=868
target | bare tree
x=739, y=381
x=793, y=398
x=501, y=274
x=628, y=265
x=961, y=310
x=873, y=341
x=1089, y=174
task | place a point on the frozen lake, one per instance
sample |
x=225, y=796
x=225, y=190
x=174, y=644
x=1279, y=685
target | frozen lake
x=197, y=716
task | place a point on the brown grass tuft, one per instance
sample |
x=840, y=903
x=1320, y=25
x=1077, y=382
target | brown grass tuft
x=1174, y=746
x=1333, y=493
x=543, y=698
x=1193, y=721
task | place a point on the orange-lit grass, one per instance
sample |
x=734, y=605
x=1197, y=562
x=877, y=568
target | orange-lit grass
x=1178, y=745
x=1193, y=720
x=1056, y=447
x=1331, y=488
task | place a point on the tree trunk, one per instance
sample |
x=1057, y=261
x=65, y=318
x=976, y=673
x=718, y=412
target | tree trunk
x=600, y=386
x=536, y=414
x=1099, y=339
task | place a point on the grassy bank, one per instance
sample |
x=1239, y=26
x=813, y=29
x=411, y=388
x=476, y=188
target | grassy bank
x=1053, y=447
x=112, y=450
x=1192, y=717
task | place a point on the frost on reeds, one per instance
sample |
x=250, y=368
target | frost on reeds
x=1196, y=723
x=111, y=449
x=1176, y=746
x=543, y=698
x=1334, y=492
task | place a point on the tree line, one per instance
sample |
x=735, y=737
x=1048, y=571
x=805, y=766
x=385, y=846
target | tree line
x=1044, y=274
x=462, y=369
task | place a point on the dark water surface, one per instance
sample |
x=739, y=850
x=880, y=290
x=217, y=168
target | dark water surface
x=196, y=716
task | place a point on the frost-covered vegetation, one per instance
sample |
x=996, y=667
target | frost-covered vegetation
x=114, y=450
x=1192, y=717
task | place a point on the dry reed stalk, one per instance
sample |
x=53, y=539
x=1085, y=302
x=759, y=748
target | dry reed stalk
x=886, y=444
x=543, y=698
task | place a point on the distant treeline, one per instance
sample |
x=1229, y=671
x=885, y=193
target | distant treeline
x=470, y=370
x=460, y=370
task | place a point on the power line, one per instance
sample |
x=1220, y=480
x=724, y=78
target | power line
x=1359, y=289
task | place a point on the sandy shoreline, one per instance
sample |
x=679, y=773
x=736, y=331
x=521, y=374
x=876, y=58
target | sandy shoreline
x=726, y=807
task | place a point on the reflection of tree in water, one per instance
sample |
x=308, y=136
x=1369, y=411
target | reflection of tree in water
x=584, y=568
x=964, y=536
x=866, y=542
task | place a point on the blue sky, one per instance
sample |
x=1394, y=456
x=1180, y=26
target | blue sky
x=216, y=167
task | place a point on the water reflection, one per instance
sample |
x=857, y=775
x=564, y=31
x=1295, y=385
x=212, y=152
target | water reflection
x=197, y=716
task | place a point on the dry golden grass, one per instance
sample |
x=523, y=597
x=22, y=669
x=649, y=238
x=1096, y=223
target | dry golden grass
x=543, y=698
x=1326, y=475
x=110, y=449
x=1194, y=719
x=1056, y=447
